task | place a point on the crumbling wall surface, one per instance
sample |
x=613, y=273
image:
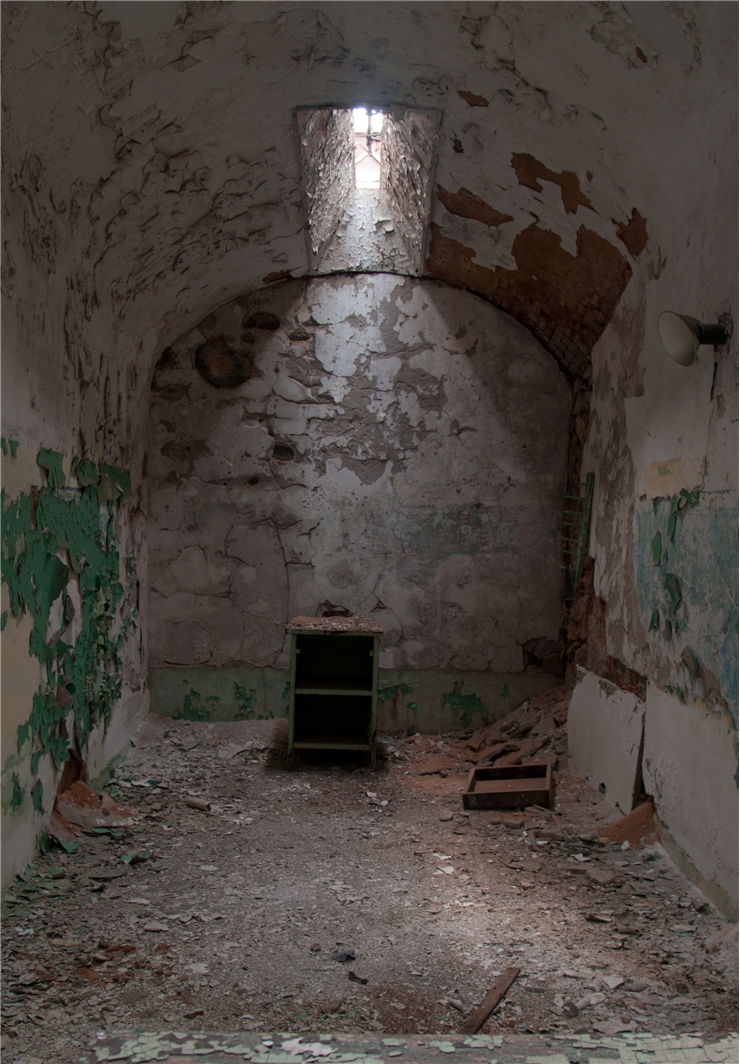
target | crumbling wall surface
x=166, y=175
x=370, y=238
x=327, y=158
x=378, y=456
x=72, y=641
x=662, y=444
x=410, y=147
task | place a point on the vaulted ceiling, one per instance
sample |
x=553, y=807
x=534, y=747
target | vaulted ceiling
x=152, y=170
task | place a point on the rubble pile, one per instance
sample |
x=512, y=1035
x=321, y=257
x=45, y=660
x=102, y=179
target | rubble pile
x=534, y=731
x=211, y=889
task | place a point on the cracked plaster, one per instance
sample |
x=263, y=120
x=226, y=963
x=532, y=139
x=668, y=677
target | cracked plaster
x=413, y=475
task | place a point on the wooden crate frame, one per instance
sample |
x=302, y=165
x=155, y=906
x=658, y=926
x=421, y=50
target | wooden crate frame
x=509, y=786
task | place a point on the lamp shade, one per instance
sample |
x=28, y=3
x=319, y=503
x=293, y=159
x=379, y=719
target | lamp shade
x=679, y=335
x=682, y=336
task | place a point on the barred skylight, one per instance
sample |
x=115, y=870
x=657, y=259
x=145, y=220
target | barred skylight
x=367, y=180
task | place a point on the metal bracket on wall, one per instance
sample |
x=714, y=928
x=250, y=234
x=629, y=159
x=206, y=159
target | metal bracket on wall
x=576, y=525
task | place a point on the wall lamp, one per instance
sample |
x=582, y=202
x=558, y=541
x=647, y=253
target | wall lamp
x=682, y=336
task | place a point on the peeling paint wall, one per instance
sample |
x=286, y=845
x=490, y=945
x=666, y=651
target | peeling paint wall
x=167, y=178
x=409, y=700
x=70, y=620
x=327, y=159
x=410, y=143
x=662, y=443
x=377, y=456
x=663, y=447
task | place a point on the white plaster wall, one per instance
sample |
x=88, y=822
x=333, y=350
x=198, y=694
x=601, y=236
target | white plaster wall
x=418, y=492
x=689, y=766
x=605, y=737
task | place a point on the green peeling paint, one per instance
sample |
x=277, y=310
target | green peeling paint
x=406, y=698
x=387, y=694
x=285, y=698
x=202, y=707
x=463, y=705
x=9, y=447
x=37, y=796
x=52, y=463
x=673, y=586
x=114, y=483
x=55, y=538
x=686, y=582
x=660, y=556
x=245, y=701
x=677, y=691
x=17, y=793
x=197, y=707
x=87, y=473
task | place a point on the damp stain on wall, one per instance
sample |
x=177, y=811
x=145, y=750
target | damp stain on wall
x=686, y=574
x=465, y=705
x=62, y=569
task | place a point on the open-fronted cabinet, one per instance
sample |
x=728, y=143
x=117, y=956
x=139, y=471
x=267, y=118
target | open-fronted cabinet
x=333, y=684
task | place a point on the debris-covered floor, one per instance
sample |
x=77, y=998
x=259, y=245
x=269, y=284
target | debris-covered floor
x=332, y=898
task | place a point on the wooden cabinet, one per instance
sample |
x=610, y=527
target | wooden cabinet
x=333, y=684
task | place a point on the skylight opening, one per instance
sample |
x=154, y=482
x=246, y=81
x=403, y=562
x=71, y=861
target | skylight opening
x=367, y=184
x=368, y=146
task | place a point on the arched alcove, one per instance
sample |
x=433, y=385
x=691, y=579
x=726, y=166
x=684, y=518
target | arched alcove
x=363, y=444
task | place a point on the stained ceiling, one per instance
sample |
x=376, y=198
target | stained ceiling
x=152, y=169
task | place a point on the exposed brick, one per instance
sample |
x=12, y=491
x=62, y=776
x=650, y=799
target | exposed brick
x=548, y=278
x=633, y=233
x=472, y=99
x=467, y=205
x=530, y=171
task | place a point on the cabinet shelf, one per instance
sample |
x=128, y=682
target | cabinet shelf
x=332, y=687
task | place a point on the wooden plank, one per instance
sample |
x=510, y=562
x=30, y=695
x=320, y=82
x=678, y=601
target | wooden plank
x=490, y=1001
x=507, y=786
x=508, y=800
